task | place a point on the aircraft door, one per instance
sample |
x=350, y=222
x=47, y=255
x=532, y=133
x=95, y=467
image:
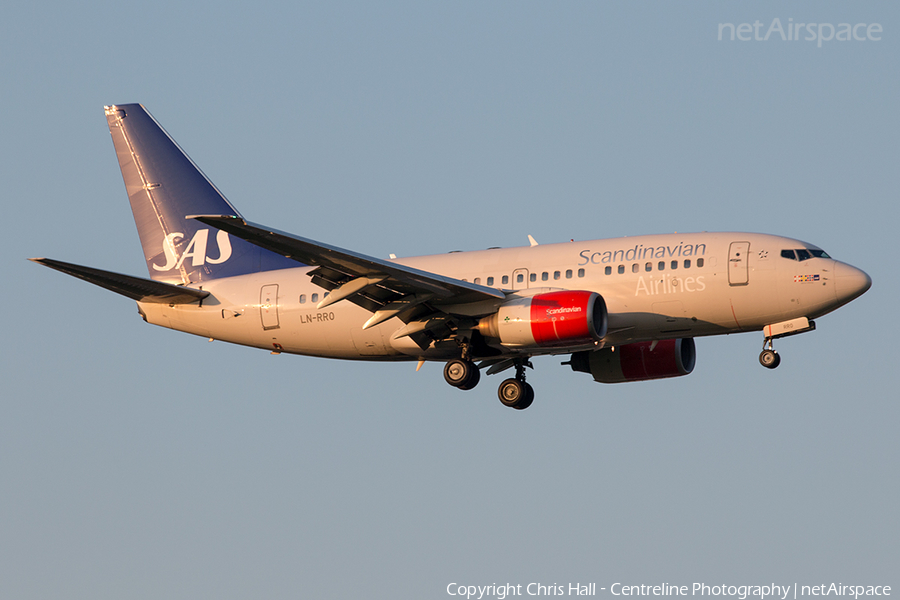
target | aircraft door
x=268, y=306
x=520, y=279
x=738, y=269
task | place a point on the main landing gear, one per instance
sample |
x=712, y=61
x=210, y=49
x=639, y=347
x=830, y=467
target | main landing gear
x=463, y=374
x=513, y=392
x=768, y=357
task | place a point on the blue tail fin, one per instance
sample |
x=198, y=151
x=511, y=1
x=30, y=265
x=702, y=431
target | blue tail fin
x=164, y=186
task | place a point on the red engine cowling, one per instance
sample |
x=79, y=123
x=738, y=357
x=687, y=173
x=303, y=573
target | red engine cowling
x=568, y=318
x=638, y=362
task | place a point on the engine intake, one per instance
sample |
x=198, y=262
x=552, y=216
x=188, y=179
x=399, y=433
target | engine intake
x=568, y=318
x=638, y=362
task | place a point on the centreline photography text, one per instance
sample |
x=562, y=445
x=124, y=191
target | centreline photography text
x=741, y=592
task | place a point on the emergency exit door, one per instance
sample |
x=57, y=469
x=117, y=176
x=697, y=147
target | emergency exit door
x=738, y=269
x=520, y=279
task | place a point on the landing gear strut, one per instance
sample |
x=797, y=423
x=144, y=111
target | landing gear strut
x=514, y=392
x=768, y=357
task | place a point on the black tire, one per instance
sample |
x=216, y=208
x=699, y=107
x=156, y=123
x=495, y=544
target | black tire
x=527, y=400
x=511, y=392
x=462, y=374
x=474, y=378
x=769, y=359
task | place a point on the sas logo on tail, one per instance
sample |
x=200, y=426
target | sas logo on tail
x=196, y=250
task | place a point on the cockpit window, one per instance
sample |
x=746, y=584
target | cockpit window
x=804, y=254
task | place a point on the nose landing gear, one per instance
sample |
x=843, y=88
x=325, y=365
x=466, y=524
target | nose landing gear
x=768, y=357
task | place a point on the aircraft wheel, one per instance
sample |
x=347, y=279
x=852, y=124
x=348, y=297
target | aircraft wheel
x=462, y=374
x=769, y=359
x=527, y=400
x=515, y=393
x=473, y=379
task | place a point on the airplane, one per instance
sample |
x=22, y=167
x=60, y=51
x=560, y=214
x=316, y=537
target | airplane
x=623, y=309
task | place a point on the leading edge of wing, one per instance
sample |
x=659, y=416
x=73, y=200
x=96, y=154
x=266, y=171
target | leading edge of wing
x=351, y=263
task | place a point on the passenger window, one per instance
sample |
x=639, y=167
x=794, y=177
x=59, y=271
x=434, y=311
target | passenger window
x=803, y=254
x=533, y=277
x=315, y=298
x=608, y=270
x=635, y=268
x=648, y=267
x=505, y=279
x=568, y=273
x=621, y=269
x=520, y=278
x=674, y=264
x=662, y=265
x=581, y=272
x=687, y=263
x=490, y=281
x=699, y=263
x=302, y=298
x=545, y=276
x=788, y=254
x=478, y=280
x=555, y=274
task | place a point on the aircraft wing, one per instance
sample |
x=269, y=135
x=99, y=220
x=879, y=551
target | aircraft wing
x=380, y=286
x=143, y=290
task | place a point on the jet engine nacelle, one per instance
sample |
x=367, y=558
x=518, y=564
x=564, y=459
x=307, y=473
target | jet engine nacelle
x=638, y=362
x=566, y=318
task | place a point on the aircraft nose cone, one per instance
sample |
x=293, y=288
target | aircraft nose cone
x=850, y=282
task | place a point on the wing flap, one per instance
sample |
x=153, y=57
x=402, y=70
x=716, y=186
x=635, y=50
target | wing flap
x=142, y=290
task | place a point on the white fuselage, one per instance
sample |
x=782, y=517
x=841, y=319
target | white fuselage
x=655, y=287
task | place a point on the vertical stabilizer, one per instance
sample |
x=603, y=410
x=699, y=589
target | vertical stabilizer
x=164, y=186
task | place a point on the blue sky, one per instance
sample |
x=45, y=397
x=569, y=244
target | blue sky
x=143, y=463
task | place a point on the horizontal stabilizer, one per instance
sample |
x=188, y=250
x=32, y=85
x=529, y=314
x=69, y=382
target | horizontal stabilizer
x=143, y=290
